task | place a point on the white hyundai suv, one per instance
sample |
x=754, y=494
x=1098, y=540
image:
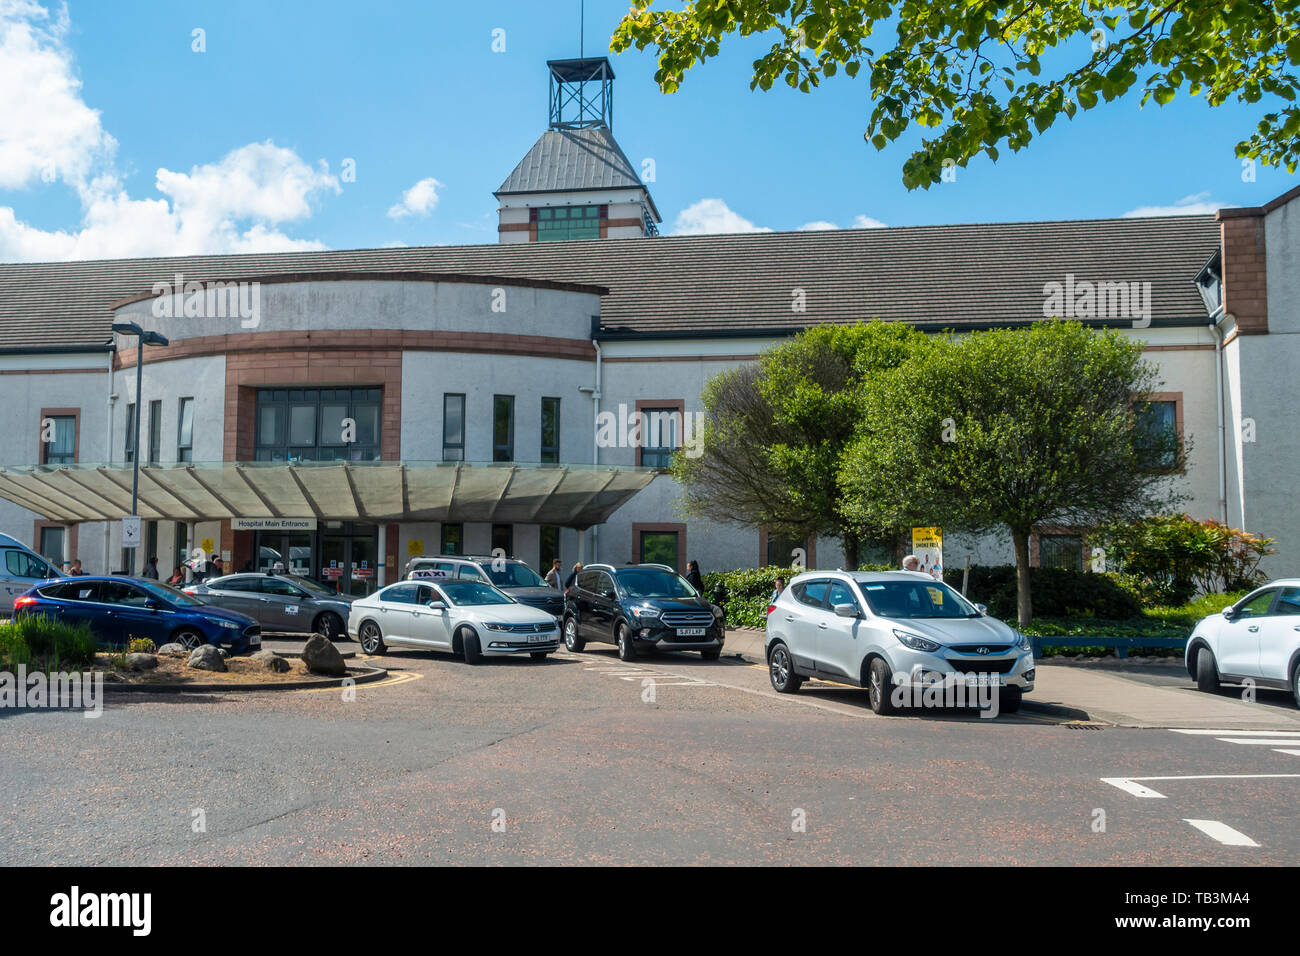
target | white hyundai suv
x=892, y=629
x=1256, y=639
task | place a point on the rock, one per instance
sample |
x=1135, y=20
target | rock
x=322, y=657
x=271, y=661
x=207, y=658
x=173, y=650
x=141, y=662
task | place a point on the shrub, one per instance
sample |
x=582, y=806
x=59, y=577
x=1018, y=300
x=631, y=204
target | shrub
x=1058, y=592
x=50, y=644
x=141, y=645
x=749, y=589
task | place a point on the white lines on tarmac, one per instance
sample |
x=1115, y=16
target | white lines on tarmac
x=1282, y=741
x=1221, y=832
x=630, y=672
x=1134, y=786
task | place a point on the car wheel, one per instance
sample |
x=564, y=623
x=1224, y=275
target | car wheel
x=780, y=668
x=879, y=688
x=1295, y=684
x=623, y=638
x=1009, y=700
x=539, y=655
x=188, y=639
x=711, y=654
x=571, y=639
x=470, y=648
x=1207, y=676
x=372, y=639
x=330, y=627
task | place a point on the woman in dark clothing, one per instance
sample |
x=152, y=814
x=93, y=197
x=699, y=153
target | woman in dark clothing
x=693, y=576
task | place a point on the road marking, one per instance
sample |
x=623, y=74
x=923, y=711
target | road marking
x=1221, y=832
x=1131, y=784
x=1262, y=741
x=393, y=679
x=1293, y=753
x=1128, y=786
x=1240, y=733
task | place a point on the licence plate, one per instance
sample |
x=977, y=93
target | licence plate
x=985, y=680
x=255, y=642
x=690, y=632
x=540, y=638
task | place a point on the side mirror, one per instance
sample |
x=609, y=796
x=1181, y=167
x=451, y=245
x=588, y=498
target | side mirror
x=437, y=605
x=982, y=608
x=846, y=610
x=1229, y=612
x=608, y=594
x=153, y=604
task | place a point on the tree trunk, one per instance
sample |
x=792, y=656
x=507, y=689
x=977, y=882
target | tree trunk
x=1024, y=602
x=850, y=540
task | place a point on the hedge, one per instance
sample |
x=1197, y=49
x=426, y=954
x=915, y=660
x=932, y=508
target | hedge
x=1057, y=592
x=749, y=589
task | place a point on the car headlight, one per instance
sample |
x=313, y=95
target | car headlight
x=232, y=625
x=496, y=626
x=1025, y=643
x=717, y=611
x=915, y=642
x=647, y=611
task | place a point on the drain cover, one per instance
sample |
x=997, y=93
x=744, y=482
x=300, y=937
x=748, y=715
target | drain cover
x=1083, y=725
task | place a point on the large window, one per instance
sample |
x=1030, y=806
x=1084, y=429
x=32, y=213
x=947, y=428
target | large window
x=52, y=544
x=1157, y=423
x=318, y=424
x=453, y=539
x=503, y=538
x=155, y=432
x=453, y=427
x=503, y=428
x=62, y=449
x=548, y=537
x=1061, y=551
x=661, y=436
x=130, y=433
x=558, y=223
x=185, y=431
x=659, y=547
x=550, y=431
x=781, y=551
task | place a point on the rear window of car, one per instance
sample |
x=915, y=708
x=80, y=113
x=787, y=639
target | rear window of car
x=587, y=580
x=812, y=593
x=399, y=594
x=245, y=583
x=71, y=591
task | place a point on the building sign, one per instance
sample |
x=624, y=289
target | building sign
x=927, y=544
x=273, y=524
x=414, y=547
x=130, y=531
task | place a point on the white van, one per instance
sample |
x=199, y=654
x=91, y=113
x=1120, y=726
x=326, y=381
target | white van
x=21, y=569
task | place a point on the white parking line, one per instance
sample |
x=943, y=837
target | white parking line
x=1222, y=832
x=1240, y=733
x=1293, y=753
x=1262, y=741
x=1128, y=786
x=1132, y=785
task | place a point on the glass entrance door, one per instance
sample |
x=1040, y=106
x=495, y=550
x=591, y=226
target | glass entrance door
x=347, y=559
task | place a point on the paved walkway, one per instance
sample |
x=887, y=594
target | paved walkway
x=1087, y=693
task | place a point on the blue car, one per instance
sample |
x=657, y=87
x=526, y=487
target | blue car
x=120, y=609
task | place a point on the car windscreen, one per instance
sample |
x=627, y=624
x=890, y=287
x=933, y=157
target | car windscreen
x=473, y=593
x=515, y=576
x=170, y=594
x=915, y=599
x=653, y=583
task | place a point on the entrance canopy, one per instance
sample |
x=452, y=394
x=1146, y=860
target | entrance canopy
x=572, y=496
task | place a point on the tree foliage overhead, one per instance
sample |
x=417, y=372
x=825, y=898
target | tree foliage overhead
x=985, y=74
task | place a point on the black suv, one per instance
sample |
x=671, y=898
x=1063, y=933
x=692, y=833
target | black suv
x=642, y=606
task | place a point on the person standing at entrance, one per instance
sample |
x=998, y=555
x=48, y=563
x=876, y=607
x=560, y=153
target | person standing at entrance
x=151, y=569
x=553, y=575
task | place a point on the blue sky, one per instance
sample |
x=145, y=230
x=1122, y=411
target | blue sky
x=123, y=141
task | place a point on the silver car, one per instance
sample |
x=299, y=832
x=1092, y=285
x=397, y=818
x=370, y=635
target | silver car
x=279, y=602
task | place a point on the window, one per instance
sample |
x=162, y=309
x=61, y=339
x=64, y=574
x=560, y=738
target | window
x=155, y=432
x=781, y=550
x=1258, y=605
x=180, y=545
x=1157, y=427
x=503, y=428
x=659, y=547
x=52, y=545
x=23, y=565
x=503, y=539
x=558, y=223
x=150, y=543
x=468, y=572
x=550, y=431
x=400, y=594
x=586, y=581
x=453, y=427
x=283, y=588
x=1060, y=551
x=61, y=449
x=661, y=436
x=1288, y=602
x=246, y=583
x=452, y=539
x=813, y=593
x=185, y=434
x=548, y=547
x=130, y=433
x=318, y=424
x=841, y=593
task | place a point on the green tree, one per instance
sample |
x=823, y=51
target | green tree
x=987, y=73
x=1009, y=430
x=775, y=432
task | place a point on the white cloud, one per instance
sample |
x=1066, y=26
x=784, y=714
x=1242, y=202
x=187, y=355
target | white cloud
x=49, y=135
x=1198, y=204
x=820, y=225
x=859, y=222
x=420, y=200
x=711, y=216
x=866, y=222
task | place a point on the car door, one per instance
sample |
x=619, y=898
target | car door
x=581, y=595
x=79, y=602
x=429, y=626
x=801, y=620
x=1239, y=639
x=1279, y=636
x=241, y=592
x=282, y=604
x=839, y=649
x=129, y=614
x=395, y=605
x=604, y=608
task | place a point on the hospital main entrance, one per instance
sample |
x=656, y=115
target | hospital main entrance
x=340, y=555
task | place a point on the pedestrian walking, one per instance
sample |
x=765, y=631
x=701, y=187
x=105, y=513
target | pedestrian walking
x=693, y=576
x=568, y=582
x=553, y=575
x=776, y=593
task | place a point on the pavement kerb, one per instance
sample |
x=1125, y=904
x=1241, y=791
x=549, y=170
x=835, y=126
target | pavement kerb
x=370, y=675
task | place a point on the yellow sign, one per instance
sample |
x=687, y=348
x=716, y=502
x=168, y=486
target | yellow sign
x=414, y=547
x=927, y=544
x=206, y=545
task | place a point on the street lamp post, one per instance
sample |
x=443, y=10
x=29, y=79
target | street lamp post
x=143, y=338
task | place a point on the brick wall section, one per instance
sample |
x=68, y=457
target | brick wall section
x=1245, y=276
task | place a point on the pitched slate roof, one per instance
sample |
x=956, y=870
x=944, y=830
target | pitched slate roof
x=946, y=276
x=565, y=160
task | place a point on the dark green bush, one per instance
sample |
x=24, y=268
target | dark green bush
x=47, y=643
x=748, y=591
x=1057, y=592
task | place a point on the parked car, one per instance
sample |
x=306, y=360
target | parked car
x=120, y=609
x=884, y=629
x=640, y=607
x=20, y=569
x=469, y=618
x=1256, y=639
x=279, y=602
x=509, y=574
